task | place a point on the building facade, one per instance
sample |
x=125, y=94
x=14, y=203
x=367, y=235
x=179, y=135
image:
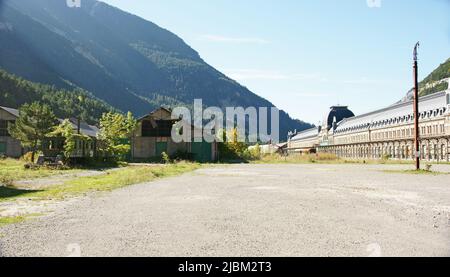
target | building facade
x=385, y=133
x=52, y=146
x=152, y=137
x=9, y=146
x=85, y=145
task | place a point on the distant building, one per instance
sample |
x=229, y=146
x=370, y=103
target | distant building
x=267, y=149
x=152, y=137
x=52, y=147
x=83, y=148
x=384, y=133
x=9, y=146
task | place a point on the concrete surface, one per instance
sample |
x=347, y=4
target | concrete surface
x=251, y=210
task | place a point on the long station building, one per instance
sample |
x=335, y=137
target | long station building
x=385, y=133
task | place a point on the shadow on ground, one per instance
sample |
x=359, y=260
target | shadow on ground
x=8, y=192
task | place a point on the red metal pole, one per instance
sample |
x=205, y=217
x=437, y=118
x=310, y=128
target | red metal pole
x=416, y=109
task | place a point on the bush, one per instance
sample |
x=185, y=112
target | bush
x=31, y=166
x=182, y=156
x=386, y=157
x=27, y=157
x=326, y=157
x=165, y=158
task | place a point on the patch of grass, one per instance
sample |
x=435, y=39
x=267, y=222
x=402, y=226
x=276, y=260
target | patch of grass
x=323, y=158
x=11, y=220
x=13, y=170
x=299, y=159
x=416, y=172
x=113, y=179
x=16, y=219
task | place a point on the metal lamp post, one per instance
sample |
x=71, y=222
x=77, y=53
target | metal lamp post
x=416, y=108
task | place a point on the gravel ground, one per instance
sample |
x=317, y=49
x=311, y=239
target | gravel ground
x=251, y=210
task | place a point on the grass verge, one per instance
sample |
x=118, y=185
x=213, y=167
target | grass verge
x=111, y=180
x=13, y=170
x=416, y=172
x=15, y=219
x=323, y=158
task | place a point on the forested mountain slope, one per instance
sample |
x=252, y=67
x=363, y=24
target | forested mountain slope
x=130, y=63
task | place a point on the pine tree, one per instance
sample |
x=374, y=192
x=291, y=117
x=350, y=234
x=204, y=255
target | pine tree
x=34, y=123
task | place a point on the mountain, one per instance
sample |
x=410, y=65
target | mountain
x=15, y=91
x=436, y=81
x=130, y=63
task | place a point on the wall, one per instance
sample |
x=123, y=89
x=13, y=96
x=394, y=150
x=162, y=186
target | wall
x=13, y=147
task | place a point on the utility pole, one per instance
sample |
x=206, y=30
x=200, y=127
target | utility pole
x=416, y=108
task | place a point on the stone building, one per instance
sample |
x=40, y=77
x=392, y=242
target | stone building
x=152, y=137
x=309, y=140
x=384, y=133
x=9, y=146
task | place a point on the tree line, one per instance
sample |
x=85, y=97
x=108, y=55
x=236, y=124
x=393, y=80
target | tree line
x=37, y=123
x=16, y=91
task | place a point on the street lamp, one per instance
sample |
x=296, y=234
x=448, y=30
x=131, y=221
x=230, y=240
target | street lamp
x=416, y=108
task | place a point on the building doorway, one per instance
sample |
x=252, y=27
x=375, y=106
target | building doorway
x=2, y=148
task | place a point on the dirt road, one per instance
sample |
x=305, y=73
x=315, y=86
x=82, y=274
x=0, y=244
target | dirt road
x=251, y=210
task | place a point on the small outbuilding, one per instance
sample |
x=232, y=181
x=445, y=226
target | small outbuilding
x=152, y=137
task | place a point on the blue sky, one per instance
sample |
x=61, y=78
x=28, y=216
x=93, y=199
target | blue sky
x=306, y=55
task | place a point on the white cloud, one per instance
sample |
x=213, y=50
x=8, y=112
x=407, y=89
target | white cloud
x=218, y=38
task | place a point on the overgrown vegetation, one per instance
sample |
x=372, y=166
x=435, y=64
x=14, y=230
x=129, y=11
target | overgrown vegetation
x=34, y=123
x=67, y=133
x=112, y=179
x=115, y=134
x=13, y=170
x=416, y=172
x=37, y=122
x=231, y=149
x=301, y=159
x=11, y=220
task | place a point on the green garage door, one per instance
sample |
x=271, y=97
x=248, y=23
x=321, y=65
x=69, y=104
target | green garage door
x=160, y=148
x=2, y=147
x=202, y=151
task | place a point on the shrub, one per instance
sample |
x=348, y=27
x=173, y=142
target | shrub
x=31, y=166
x=5, y=181
x=386, y=157
x=27, y=157
x=165, y=158
x=182, y=156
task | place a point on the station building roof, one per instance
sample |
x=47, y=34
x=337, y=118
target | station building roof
x=430, y=106
x=306, y=134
